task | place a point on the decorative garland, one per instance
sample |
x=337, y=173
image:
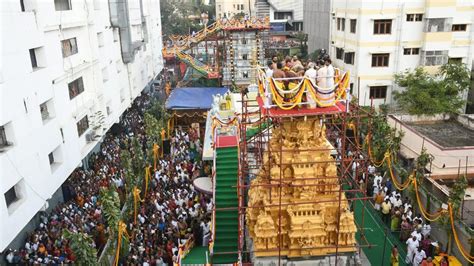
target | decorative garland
x=121, y=232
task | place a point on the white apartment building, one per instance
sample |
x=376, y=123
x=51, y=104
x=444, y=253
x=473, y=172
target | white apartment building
x=69, y=69
x=376, y=39
x=229, y=8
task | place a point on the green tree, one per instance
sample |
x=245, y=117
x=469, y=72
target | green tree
x=427, y=94
x=82, y=246
x=152, y=128
x=110, y=202
x=383, y=136
x=174, y=17
x=302, y=38
x=456, y=196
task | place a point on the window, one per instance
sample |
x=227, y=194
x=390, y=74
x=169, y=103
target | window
x=105, y=74
x=297, y=26
x=244, y=41
x=383, y=26
x=349, y=58
x=339, y=53
x=22, y=5
x=455, y=60
x=122, y=95
x=75, y=88
x=220, y=8
x=44, y=111
x=3, y=138
x=341, y=24
x=435, y=58
x=459, y=27
x=69, y=47
x=82, y=126
x=34, y=62
x=100, y=39
x=118, y=64
x=245, y=74
x=378, y=92
x=116, y=35
x=283, y=15
x=411, y=51
x=11, y=196
x=97, y=4
x=414, y=17
x=245, y=56
x=61, y=5
x=380, y=60
x=51, y=158
x=353, y=25
x=437, y=25
x=241, y=7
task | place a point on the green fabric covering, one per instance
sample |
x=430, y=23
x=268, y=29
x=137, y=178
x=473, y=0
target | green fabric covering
x=226, y=235
x=197, y=255
x=375, y=234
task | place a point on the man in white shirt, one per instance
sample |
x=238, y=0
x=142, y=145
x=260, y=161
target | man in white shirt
x=268, y=75
x=416, y=234
x=330, y=73
x=378, y=177
x=371, y=169
x=398, y=201
x=412, y=245
x=312, y=74
x=321, y=76
x=426, y=229
x=419, y=256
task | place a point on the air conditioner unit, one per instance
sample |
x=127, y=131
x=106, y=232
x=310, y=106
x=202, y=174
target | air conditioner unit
x=90, y=136
x=45, y=206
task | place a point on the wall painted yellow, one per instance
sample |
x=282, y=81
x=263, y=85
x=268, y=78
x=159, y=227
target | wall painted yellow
x=431, y=69
x=341, y=40
x=376, y=77
x=461, y=42
x=440, y=3
x=438, y=36
x=465, y=8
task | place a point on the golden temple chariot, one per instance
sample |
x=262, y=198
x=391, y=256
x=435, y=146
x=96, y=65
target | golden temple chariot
x=309, y=208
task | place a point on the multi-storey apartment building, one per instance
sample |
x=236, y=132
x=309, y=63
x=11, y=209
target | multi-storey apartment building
x=69, y=69
x=376, y=39
x=230, y=8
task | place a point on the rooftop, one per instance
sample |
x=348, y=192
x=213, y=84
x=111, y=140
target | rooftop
x=446, y=133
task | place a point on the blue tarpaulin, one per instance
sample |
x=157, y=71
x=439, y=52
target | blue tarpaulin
x=193, y=97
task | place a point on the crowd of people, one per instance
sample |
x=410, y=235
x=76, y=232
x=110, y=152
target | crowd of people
x=172, y=212
x=281, y=44
x=291, y=69
x=398, y=214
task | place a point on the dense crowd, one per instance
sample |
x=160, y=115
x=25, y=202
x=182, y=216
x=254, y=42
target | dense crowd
x=281, y=44
x=172, y=212
x=290, y=69
x=80, y=211
x=399, y=215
